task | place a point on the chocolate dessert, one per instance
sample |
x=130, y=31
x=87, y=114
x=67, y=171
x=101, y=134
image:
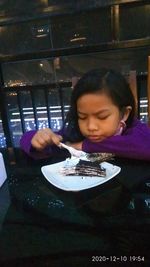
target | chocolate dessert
x=89, y=168
x=85, y=168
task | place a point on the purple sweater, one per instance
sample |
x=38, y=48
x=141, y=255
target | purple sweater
x=133, y=143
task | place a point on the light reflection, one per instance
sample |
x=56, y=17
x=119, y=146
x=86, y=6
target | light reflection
x=40, y=31
x=77, y=38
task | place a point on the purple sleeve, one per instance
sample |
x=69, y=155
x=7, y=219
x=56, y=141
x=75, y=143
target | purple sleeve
x=134, y=143
x=25, y=141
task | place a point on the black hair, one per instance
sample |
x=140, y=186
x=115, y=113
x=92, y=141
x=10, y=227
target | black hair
x=113, y=83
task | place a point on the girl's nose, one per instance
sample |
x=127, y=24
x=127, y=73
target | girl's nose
x=91, y=125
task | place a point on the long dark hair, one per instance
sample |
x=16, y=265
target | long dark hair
x=106, y=80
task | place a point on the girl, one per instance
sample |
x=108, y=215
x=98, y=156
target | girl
x=101, y=119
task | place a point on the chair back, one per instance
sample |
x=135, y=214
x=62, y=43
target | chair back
x=132, y=79
x=148, y=89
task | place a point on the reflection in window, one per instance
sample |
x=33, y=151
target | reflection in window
x=134, y=21
x=61, y=31
x=79, y=29
x=22, y=7
x=66, y=92
x=36, y=109
x=14, y=117
x=2, y=136
x=55, y=109
x=27, y=110
x=29, y=36
x=28, y=72
x=63, y=69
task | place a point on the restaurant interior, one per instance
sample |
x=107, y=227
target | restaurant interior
x=45, y=47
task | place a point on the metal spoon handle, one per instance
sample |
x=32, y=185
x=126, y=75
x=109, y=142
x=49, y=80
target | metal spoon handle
x=74, y=152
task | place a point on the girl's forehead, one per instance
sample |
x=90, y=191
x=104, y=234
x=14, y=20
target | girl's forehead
x=101, y=97
x=95, y=103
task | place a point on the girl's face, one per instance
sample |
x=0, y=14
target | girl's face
x=98, y=116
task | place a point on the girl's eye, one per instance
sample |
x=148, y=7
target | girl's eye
x=103, y=118
x=81, y=118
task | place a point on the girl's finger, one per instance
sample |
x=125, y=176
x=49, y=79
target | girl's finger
x=56, y=139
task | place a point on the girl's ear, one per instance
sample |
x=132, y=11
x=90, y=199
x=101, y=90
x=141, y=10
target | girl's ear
x=126, y=113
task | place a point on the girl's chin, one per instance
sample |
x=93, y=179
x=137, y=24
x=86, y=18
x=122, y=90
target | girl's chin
x=95, y=141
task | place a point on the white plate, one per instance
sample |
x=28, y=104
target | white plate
x=76, y=183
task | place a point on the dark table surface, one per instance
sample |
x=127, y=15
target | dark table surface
x=45, y=226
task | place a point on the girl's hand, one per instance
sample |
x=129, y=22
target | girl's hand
x=77, y=146
x=45, y=137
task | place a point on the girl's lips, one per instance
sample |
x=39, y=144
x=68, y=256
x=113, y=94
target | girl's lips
x=94, y=138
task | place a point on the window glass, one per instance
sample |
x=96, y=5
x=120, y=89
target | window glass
x=2, y=136
x=22, y=7
x=134, y=21
x=122, y=60
x=55, y=109
x=66, y=93
x=27, y=110
x=14, y=117
x=28, y=72
x=143, y=104
x=41, y=109
x=25, y=37
x=63, y=31
x=86, y=28
x=65, y=68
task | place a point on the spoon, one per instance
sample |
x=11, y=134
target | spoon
x=74, y=152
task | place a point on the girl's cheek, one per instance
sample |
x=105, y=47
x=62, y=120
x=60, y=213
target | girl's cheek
x=81, y=125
